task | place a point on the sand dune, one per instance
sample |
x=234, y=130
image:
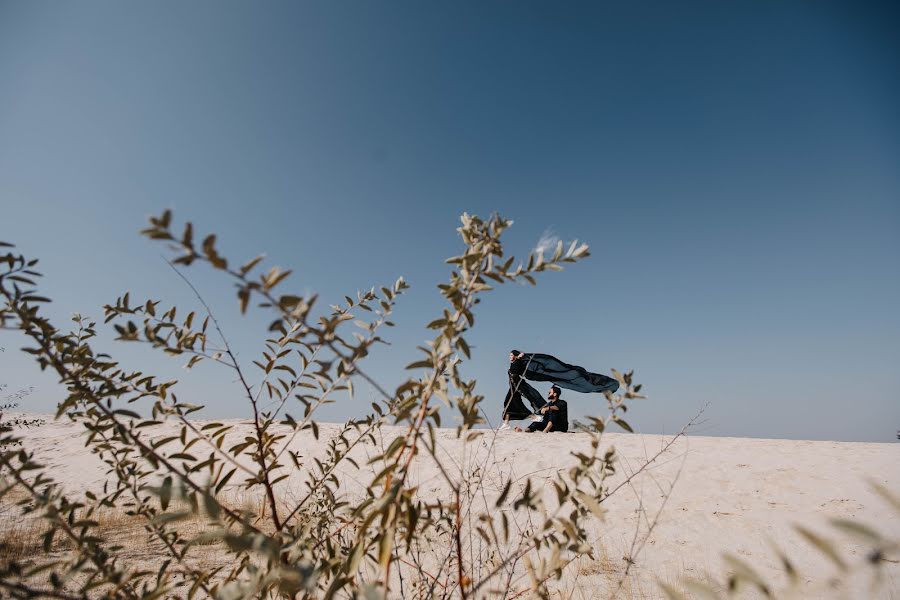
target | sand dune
x=729, y=494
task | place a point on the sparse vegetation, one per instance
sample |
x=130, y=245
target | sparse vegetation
x=327, y=542
x=203, y=509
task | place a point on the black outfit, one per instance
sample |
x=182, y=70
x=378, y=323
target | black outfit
x=543, y=367
x=513, y=407
x=559, y=418
x=537, y=426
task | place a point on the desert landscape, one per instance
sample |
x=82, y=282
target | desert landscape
x=694, y=499
x=281, y=284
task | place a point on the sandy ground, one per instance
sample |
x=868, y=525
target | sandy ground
x=730, y=495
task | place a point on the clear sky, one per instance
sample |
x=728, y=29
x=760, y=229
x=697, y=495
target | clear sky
x=735, y=167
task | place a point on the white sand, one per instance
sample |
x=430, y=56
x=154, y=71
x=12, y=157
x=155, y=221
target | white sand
x=730, y=494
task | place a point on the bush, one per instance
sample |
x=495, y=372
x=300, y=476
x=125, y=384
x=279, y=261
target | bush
x=327, y=542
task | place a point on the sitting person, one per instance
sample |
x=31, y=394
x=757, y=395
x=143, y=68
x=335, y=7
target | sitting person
x=555, y=415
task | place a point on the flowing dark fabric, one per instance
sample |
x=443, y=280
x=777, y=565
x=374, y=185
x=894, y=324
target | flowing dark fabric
x=513, y=407
x=543, y=367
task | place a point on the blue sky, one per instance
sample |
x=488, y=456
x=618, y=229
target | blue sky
x=734, y=167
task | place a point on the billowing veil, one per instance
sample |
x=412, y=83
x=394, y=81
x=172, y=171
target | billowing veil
x=543, y=367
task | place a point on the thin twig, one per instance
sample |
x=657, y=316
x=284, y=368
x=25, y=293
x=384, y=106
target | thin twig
x=260, y=442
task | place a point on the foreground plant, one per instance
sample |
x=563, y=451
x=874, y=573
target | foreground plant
x=327, y=542
x=742, y=578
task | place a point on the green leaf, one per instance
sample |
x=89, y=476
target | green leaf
x=165, y=493
x=671, y=592
x=823, y=545
x=249, y=266
x=421, y=364
x=188, y=238
x=745, y=572
x=504, y=494
x=891, y=498
x=385, y=546
x=356, y=555
x=48, y=539
x=224, y=481
x=182, y=456
x=858, y=530
x=164, y=518
x=464, y=347
x=592, y=505
x=394, y=446
x=212, y=506
x=701, y=589
x=209, y=245
x=622, y=424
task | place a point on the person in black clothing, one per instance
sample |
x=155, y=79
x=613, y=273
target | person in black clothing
x=513, y=406
x=543, y=367
x=555, y=415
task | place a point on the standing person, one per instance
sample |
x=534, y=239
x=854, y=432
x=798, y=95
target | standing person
x=555, y=415
x=513, y=407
